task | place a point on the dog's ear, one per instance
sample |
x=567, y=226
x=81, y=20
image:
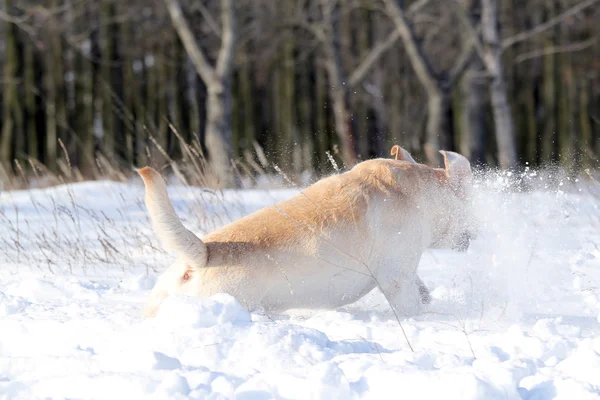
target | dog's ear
x=458, y=169
x=401, y=154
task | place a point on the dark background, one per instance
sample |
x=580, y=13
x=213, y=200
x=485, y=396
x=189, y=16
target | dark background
x=503, y=82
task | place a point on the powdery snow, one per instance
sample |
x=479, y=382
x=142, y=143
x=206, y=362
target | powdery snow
x=517, y=316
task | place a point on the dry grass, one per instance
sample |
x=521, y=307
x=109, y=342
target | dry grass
x=76, y=235
x=61, y=234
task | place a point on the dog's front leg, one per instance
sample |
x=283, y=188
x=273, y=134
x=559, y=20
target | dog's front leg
x=402, y=286
x=423, y=291
x=404, y=297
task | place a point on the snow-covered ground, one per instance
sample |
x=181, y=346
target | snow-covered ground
x=517, y=316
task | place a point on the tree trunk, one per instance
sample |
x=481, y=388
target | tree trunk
x=344, y=125
x=472, y=118
x=151, y=94
x=86, y=88
x=566, y=102
x=218, y=135
x=503, y=124
x=381, y=117
x=192, y=100
x=532, y=151
x=176, y=97
x=361, y=104
x=503, y=121
x=50, y=86
x=438, y=103
x=293, y=147
x=338, y=91
x=139, y=92
x=305, y=117
x=129, y=95
x=587, y=149
x=276, y=139
x=321, y=133
x=11, y=65
x=533, y=89
x=162, y=88
x=379, y=142
x=438, y=125
x=290, y=146
x=217, y=79
x=549, y=107
x=31, y=100
x=108, y=116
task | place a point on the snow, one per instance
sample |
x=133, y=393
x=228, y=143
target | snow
x=517, y=316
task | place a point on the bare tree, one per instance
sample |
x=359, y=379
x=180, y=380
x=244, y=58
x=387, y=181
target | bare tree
x=473, y=87
x=217, y=79
x=337, y=82
x=489, y=48
x=342, y=83
x=437, y=85
x=492, y=57
x=11, y=102
x=107, y=77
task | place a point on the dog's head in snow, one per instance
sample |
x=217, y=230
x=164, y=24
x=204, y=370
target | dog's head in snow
x=449, y=203
x=457, y=227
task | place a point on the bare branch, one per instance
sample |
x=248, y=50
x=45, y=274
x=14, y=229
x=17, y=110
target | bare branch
x=12, y=19
x=414, y=51
x=205, y=70
x=353, y=5
x=374, y=55
x=227, y=50
x=19, y=22
x=567, y=48
x=311, y=28
x=461, y=64
x=416, y=7
x=300, y=20
x=548, y=24
x=210, y=21
x=463, y=16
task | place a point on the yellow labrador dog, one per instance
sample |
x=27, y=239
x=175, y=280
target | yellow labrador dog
x=329, y=245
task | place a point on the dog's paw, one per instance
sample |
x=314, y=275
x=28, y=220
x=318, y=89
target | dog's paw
x=424, y=294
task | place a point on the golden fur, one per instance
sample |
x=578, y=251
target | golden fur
x=302, y=252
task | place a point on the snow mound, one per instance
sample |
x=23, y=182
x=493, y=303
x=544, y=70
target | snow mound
x=163, y=361
x=516, y=316
x=139, y=282
x=184, y=311
x=172, y=385
x=11, y=304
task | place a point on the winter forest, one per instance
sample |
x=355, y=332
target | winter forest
x=94, y=86
x=198, y=199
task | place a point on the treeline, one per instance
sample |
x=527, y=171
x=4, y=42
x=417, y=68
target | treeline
x=503, y=82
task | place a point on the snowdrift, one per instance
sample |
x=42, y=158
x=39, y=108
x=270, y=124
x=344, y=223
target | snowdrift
x=517, y=316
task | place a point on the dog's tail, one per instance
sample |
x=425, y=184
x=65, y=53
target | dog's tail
x=167, y=225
